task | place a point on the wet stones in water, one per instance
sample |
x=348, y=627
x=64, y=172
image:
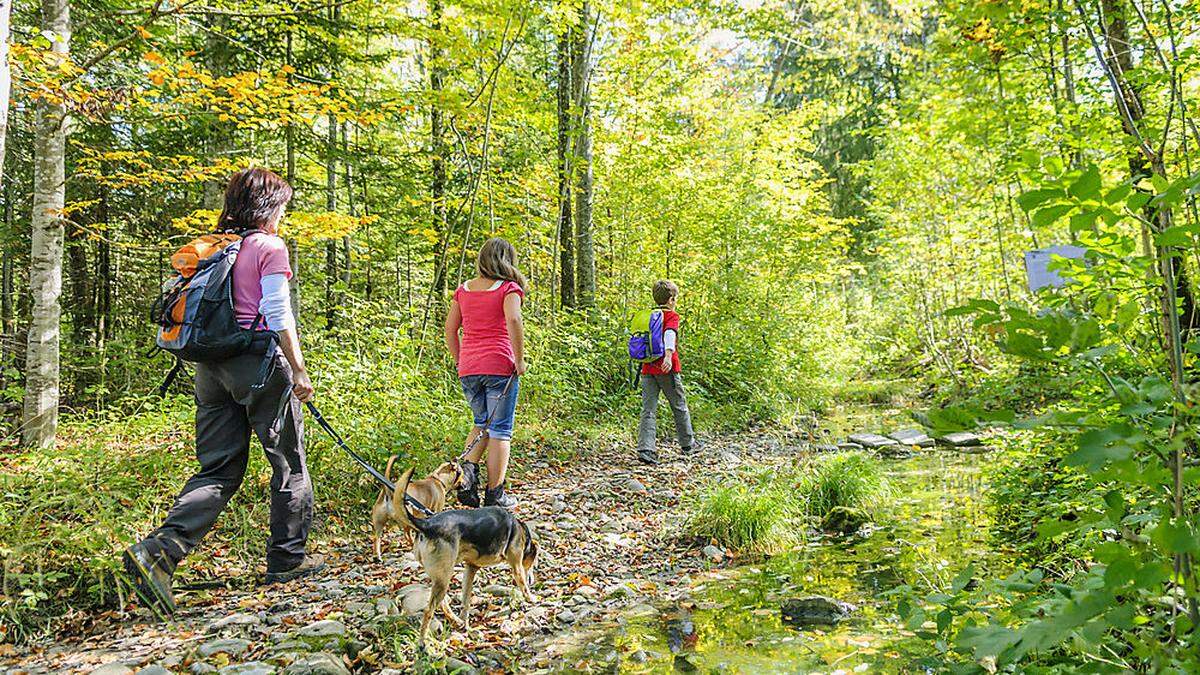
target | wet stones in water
x=681, y=632
x=844, y=520
x=872, y=441
x=912, y=437
x=815, y=610
x=960, y=439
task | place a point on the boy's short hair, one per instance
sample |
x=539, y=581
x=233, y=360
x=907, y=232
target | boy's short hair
x=663, y=291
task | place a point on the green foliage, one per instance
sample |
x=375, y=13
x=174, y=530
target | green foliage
x=851, y=479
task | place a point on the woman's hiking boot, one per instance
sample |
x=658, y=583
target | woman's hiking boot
x=496, y=497
x=647, y=457
x=468, y=494
x=310, y=565
x=150, y=571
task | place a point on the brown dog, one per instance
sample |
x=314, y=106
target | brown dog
x=431, y=491
x=475, y=537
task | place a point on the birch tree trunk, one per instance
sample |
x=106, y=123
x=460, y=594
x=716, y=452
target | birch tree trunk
x=581, y=70
x=40, y=415
x=5, y=77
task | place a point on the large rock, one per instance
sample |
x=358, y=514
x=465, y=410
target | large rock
x=912, y=437
x=844, y=520
x=321, y=663
x=251, y=668
x=872, y=441
x=232, y=646
x=413, y=598
x=323, y=629
x=815, y=610
x=960, y=439
x=114, y=668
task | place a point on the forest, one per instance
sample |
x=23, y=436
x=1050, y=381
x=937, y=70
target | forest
x=852, y=197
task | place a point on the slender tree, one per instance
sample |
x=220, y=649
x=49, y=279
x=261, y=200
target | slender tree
x=566, y=230
x=5, y=77
x=581, y=67
x=40, y=416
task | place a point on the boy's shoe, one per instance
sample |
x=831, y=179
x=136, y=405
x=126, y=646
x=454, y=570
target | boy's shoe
x=150, y=572
x=648, y=458
x=307, y=567
x=496, y=497
x=468, y=494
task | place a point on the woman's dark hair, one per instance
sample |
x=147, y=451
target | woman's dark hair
x=253, y=198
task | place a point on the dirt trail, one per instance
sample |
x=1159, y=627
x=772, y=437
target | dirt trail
x=608, y=529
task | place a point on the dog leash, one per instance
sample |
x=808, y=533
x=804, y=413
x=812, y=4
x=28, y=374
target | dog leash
x=379, y=477
x=503, y=397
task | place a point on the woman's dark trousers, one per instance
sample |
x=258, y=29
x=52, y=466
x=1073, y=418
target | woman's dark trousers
x=228, y=408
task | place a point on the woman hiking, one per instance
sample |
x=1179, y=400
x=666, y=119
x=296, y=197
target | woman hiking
x=490, y=355
x=230, y=405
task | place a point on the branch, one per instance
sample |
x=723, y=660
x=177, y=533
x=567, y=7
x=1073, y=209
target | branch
x=1118, y=92
x=156, y=12
x=298, y=11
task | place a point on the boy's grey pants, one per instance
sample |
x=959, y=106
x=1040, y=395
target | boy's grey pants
x=670, y=384
x=227, y=410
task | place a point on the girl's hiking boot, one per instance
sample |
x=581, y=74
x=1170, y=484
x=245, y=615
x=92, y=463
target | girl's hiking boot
x=150, y=571
x=496, y=497
x=468, y=494
x=309, y=566
x=647, y=457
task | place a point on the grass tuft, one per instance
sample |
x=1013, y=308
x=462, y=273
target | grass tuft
x=748, y=519
x=852, y=480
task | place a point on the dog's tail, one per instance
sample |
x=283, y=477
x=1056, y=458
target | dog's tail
x=402, y=513
x=387, y=470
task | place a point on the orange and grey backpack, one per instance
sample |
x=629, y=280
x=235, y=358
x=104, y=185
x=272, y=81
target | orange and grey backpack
x=195, y=313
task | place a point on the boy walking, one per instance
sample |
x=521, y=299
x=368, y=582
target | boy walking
x=664, y=376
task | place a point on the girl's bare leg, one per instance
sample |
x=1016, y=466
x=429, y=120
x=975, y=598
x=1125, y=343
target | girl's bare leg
x=497, y=461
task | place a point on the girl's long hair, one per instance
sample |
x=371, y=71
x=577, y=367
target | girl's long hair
x=498, y=260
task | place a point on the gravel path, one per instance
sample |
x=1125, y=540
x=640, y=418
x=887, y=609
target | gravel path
x=609, y=534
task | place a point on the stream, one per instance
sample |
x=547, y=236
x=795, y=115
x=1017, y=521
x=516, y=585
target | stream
x=933, y=524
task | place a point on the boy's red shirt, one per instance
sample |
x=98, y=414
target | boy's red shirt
x=670, y=322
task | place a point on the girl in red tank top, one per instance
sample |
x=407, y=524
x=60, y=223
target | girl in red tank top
x=486, y=339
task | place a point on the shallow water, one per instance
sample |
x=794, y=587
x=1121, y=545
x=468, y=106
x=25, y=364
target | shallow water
x=933, y=525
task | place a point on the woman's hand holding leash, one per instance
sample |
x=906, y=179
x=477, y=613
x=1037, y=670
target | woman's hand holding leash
x=522, y=367
x=302, y=386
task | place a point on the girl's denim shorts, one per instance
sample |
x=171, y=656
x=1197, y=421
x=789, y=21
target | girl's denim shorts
x=487, y=398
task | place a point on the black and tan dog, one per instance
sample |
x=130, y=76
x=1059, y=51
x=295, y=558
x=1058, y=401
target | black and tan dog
x=430, y=491
x=476, y=537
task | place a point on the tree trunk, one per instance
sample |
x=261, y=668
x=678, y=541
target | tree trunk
x=5, y=77
x=566, y=232
x=580, y=81
x=1119, y=62
x=331, y=252
x=293, y=246
x=40, y=415
x=7, y=322
x=437, y=146
x=218, y=58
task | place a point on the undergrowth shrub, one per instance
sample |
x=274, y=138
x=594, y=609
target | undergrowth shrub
x=750, y=519
x=851, y=479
